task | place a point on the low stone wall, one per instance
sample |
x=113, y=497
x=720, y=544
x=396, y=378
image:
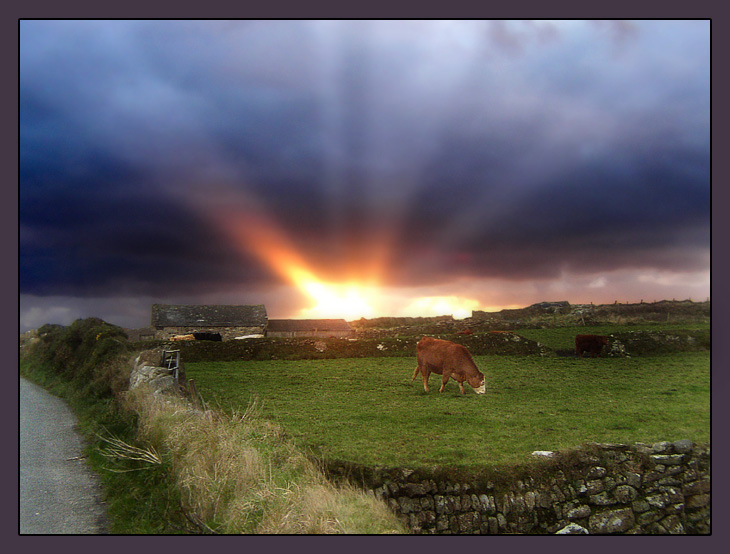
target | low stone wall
x=598, y=489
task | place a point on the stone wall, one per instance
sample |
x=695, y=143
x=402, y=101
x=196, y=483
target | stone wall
x=598, y=489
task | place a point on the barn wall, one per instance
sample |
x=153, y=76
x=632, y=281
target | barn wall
x=606, y=489
x=227, y=333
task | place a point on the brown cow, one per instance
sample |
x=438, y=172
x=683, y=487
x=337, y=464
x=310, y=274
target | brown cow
x=450, y=360
x=593, y=344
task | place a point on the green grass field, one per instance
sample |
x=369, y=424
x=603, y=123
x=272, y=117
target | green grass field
x=367, y=410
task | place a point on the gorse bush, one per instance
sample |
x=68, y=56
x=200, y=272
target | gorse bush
x=90, y=353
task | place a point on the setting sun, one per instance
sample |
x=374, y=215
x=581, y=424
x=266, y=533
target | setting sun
x=338, y=301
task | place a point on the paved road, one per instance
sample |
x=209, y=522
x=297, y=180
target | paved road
x=59, y=494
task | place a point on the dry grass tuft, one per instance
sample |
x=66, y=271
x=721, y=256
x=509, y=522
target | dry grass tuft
x=239, y=474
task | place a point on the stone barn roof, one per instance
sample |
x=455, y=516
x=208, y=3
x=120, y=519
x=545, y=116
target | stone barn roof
x=295, y=325
x=167, y=315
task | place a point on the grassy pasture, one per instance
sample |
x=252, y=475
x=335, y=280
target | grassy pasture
x=367, y=410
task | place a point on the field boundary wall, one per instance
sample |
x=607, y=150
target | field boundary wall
x=662, y=488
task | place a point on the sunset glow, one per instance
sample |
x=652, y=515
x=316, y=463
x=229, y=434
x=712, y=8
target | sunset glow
x=252, y=231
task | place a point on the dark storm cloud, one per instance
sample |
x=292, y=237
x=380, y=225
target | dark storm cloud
x=474, y=148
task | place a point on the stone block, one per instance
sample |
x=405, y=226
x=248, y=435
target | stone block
x=413, y=489
x=668, y=459
x=683, y=446
x=633, y=479
x=698, y=487
x=673, y=525
x=595, y=486
x=625, y=494
x=440, y=504
x=530, y=499
x=648, y=517
x=573, y=529
x=602, y=499
x=427, y=503
x=658, y=500
x=661, y=447
x=579, y=512
x=612, y=521
x=697, y=501
x=596, y=473
x=640, y=506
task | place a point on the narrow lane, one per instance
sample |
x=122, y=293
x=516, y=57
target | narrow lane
x=59, y=494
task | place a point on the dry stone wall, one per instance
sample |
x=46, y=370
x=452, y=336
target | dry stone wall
x=600, y=489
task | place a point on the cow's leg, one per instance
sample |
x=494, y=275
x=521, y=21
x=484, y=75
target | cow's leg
x=426, y=375
x=445, y=380
x=461, y=386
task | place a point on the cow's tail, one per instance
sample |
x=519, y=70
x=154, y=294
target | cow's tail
x=415, y=373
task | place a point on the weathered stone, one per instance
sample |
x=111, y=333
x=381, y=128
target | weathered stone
x=661, y=447
x=519, y=503
x=668, y=459
x=609, y=483
x=442, y=523
x=579, y=512
x=530, y=498
x=673, y=525
x=648, y=517
x=657, y=500
x=595, y=486
x=596, y=473
x=633, y=480
x=543, y=499
x=466, y=502
x=683, y=446
x=407, y=505
x=493, y=525
x=440, y=504
x=466, y=522
x=613, y=521
x=427, y=503
x=698, y=487
x=453, y=503
x=454, y=524
x=602, y=499
x=674, y=495
x=414, y=489
x=558, y=495
x=625, y=494
x=697, y=501
x=573, y=529
x=640, y=506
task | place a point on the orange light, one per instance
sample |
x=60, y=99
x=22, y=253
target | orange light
x=245, y=221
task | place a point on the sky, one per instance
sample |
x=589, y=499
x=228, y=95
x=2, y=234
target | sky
x=360, y=168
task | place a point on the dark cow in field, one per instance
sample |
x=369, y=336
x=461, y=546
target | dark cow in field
x=450, y=360
x=593, y=344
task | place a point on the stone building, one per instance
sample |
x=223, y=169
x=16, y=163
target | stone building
x=321, y=328
x=228, y=321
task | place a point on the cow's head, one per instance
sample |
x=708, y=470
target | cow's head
x=479, y=384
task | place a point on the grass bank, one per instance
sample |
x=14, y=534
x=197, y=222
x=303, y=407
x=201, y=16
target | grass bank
x=367, y=411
